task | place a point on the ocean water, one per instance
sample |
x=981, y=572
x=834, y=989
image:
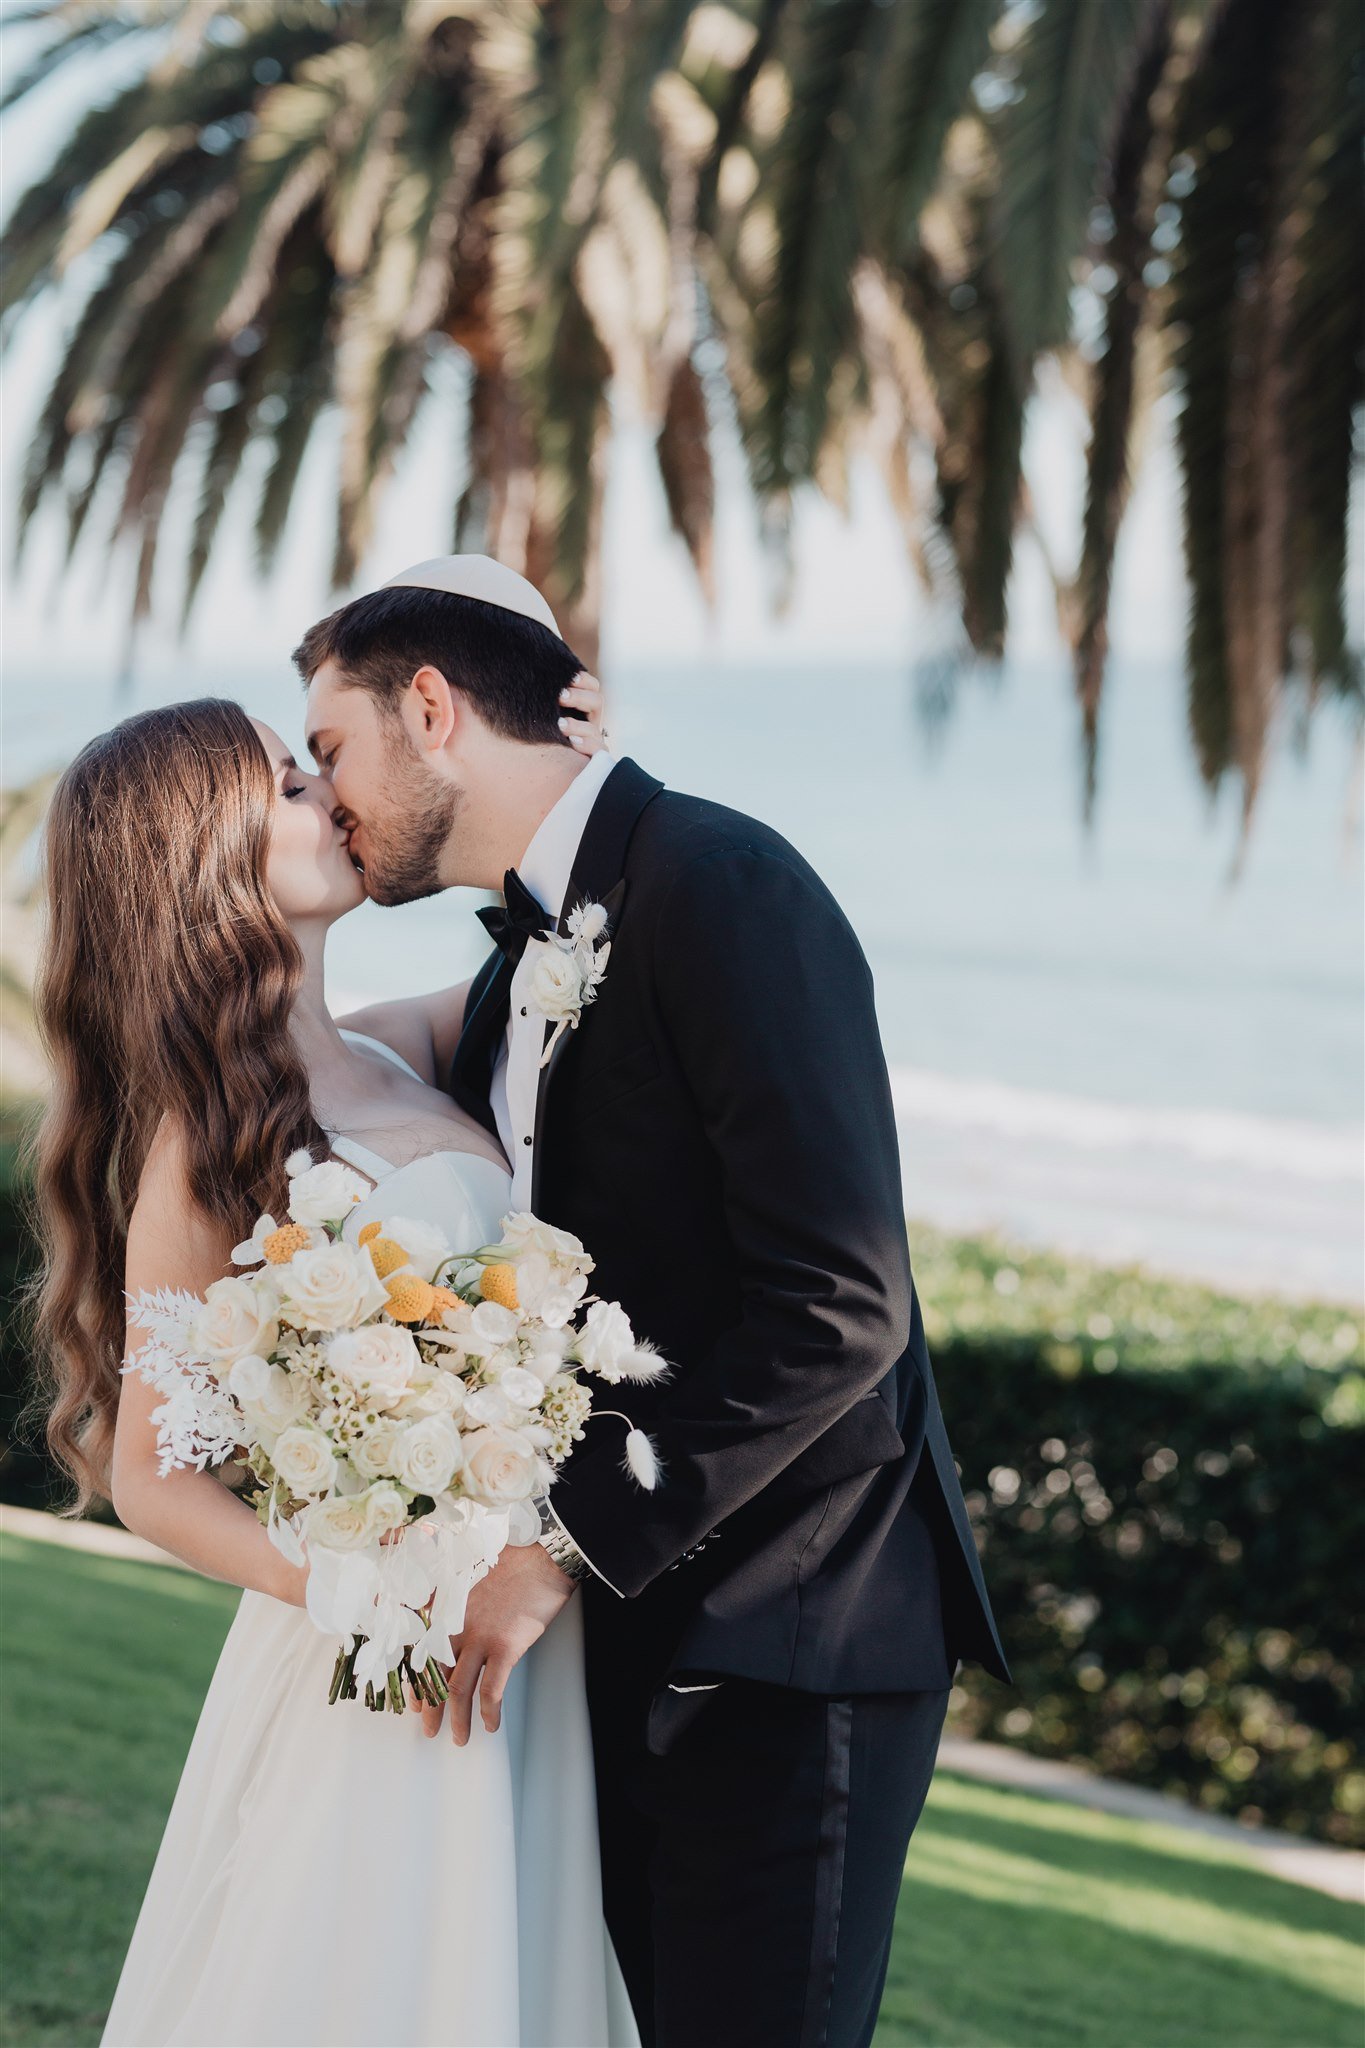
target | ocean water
x=1103, y=1041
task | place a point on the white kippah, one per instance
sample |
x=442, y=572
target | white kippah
x=478, y=576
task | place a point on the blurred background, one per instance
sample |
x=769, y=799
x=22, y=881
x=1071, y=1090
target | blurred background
x=937, y=422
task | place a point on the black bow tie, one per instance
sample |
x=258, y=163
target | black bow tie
x=522, y=918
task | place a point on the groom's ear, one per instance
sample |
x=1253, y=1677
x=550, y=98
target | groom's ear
x=433, y=709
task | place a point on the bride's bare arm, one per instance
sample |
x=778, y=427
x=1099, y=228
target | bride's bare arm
x=424, y=1029
x=172, y=1243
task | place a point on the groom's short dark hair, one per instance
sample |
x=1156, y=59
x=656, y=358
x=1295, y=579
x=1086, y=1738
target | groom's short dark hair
x=511, y=668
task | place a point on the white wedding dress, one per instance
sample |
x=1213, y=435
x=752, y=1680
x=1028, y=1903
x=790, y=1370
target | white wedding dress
x=331, y=1877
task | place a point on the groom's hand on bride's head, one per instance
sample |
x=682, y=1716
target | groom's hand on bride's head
x=507, y=1612
x=588, y=733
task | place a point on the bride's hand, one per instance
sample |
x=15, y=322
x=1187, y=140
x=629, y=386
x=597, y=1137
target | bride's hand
x=584, y=694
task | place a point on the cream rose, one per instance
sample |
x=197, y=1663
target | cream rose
x=442, y=1394
x=385, y=1508
x=378, y=1360
x=331, y=1288
x=428, y=1454
x=340, y=1523
x=325, y=1193
x=304, y=1459
x=238, y=1319
x=498, y=1467
x=372, y=1454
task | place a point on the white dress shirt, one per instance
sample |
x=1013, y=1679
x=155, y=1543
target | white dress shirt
x=545, y=868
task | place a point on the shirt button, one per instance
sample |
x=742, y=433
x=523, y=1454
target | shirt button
x=526, y=1141
x=524, y=1010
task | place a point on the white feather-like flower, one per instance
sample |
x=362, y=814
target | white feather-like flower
x=642, y=1460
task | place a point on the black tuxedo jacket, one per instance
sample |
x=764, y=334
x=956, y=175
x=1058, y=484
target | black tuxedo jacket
x=718, y=1130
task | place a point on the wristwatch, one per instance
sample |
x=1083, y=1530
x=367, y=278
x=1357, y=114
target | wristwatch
x=558, y=1544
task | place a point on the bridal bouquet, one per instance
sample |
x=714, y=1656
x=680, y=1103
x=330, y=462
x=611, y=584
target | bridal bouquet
x=401, y=1407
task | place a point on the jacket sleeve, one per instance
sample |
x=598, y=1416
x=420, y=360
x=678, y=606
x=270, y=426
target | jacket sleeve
x=767, y=1000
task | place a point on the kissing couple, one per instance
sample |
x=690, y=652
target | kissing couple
x=690, y=1730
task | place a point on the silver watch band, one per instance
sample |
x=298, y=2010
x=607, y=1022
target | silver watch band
x=559, y=1545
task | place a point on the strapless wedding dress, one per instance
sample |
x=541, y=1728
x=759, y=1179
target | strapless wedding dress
x=334, y=1878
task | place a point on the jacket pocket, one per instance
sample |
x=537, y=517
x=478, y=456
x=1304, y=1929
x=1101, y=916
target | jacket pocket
x=862, y=1438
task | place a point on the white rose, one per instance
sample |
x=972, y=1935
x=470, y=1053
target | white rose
x=377, y=1360
x=331, y=1288
x=238, y=1318
x=428, y=1454
x=304, y=1459
x=325, y=1193
x=443, y=1394
x=425, y=1245
x=385, y=1508
x=606, y=1341
x=372, y=1454
x=249, y=1377
x=498, y=1466
x=525, y=1389
x=556, y=985
x=341, y=1523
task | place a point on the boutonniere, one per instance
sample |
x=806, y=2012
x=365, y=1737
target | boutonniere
x=569, y=970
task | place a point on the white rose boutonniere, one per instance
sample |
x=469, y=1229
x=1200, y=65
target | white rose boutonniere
x=569, y=969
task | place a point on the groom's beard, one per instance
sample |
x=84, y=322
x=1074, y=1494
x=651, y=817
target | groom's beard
x=403, y=864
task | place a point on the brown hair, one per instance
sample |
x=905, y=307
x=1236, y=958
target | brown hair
x=510, y=667
x=165, y=988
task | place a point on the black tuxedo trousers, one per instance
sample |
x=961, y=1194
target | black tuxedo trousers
x=750, y=1872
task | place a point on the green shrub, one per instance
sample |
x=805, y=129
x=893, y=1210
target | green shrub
x=1167, y=1489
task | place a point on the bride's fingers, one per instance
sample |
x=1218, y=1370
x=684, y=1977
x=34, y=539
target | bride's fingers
x=495, y=1677
x=583, y=696
x=463, y=1681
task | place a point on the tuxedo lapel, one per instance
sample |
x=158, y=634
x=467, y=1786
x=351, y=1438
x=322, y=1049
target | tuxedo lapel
x=471, y=1071
x=596, y=877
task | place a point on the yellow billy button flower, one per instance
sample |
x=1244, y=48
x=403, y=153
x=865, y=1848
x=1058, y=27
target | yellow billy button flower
x=281, y=1245
x=386, y=1256
x=369, y=1230
x=441, y=1300
x=410, y=1298
x=499, y=1283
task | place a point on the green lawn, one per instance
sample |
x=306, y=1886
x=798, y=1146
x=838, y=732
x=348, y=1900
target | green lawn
x=1024, y=1924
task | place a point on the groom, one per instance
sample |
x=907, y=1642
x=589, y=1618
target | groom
x=771, y=1635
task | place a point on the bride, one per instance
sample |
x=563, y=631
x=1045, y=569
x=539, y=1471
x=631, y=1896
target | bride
x=327, y=1875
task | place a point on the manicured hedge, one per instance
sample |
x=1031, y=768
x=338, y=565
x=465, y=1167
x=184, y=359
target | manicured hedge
x=1167, y=1486
x=1167, y=1489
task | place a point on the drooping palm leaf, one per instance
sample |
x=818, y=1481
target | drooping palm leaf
x=1075, y=66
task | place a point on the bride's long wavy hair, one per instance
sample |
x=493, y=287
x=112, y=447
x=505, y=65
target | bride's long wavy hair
x=165, y=986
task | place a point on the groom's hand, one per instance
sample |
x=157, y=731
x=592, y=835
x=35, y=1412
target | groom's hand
x=507, y=1612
